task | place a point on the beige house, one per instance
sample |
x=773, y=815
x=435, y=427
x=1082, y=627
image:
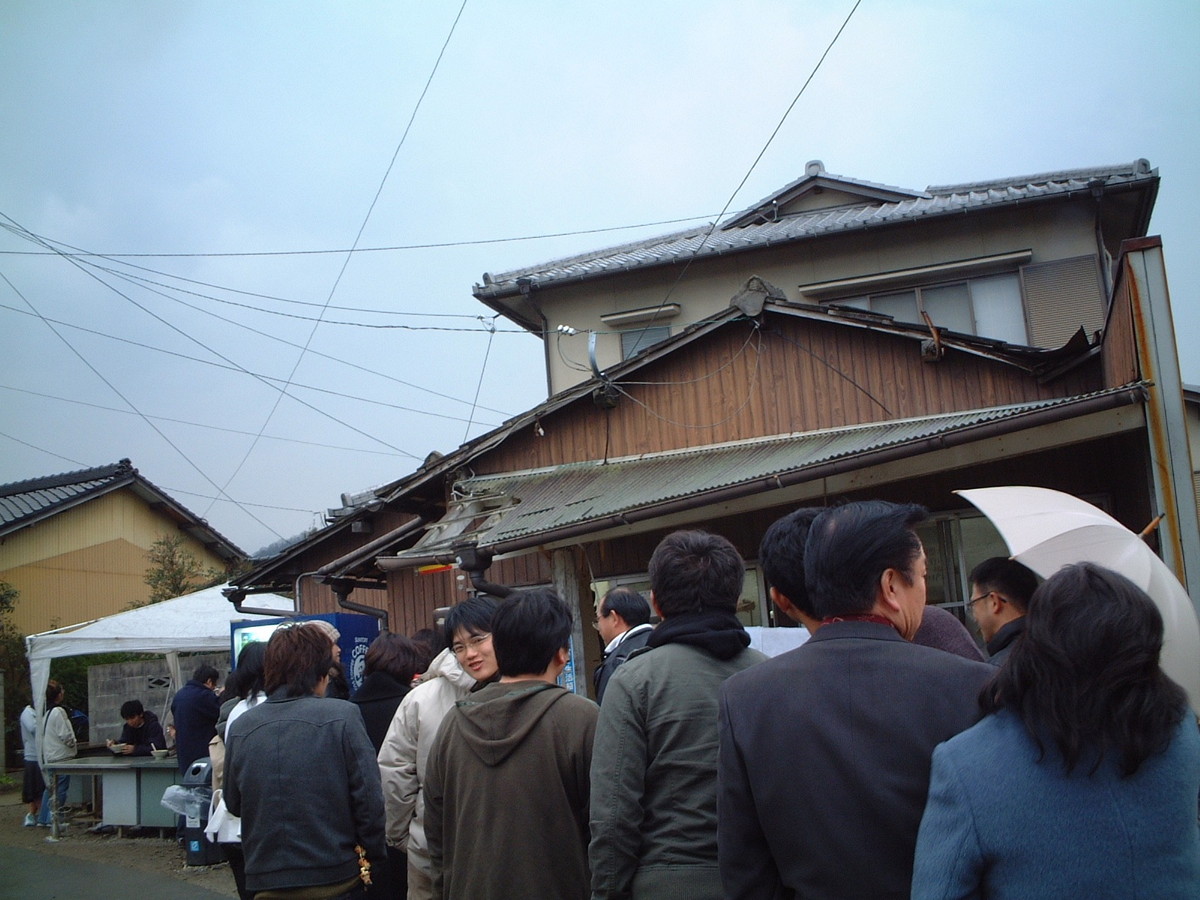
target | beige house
x=75, y=544
x=1023, y=260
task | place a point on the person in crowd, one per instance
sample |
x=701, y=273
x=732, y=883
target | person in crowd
x=248, y=687
x=861, y=707
x=467, y=663
x=389, y=667
x=654, y=797
x=142, y=731
x=1000, y=592
x=58, y=743
x=506, y=795
x=32, y=785
x=623, y=620
x=195, y=710
x=388, y=671
x=942, y=630
x=339, y=686
x=427, y=646
x=1083, y=780
x=300, y=772
x=781, y=557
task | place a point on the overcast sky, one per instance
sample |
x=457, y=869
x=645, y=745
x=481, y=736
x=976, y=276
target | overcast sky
x=240, y=146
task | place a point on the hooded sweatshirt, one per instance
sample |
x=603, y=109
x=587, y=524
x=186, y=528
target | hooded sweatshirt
x=506, y=795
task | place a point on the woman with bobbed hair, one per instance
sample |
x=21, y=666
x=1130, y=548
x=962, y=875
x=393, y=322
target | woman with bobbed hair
x=301, y=773
x=388, y=671
x=1084, y=781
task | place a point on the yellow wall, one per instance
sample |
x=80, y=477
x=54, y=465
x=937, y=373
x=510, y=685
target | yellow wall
x=86, y=562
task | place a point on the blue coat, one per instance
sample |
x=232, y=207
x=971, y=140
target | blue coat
x=999, y=824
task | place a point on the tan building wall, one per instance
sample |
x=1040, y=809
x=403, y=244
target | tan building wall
x=1052, y=232
x=86, y=562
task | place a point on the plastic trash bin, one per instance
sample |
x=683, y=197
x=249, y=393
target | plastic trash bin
x=198, y=782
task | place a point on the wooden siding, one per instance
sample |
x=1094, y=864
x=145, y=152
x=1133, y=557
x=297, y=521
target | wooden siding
x=793, y=375
x=413, y=597
x=86, y=562
x=1119, y=354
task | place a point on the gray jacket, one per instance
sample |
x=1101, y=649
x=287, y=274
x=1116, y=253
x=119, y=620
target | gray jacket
x=301, y=773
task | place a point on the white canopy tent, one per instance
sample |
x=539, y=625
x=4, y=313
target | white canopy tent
x=194, y=623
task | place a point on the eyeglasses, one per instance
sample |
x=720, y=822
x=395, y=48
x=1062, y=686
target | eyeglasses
x=971, y=603
x=458, y=648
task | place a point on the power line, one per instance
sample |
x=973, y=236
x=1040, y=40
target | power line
x=233, y=367
x=345, y=362
x=221, y=428
x=133, y=406
x=478, y=242
x=712, y=228
x=349, y=256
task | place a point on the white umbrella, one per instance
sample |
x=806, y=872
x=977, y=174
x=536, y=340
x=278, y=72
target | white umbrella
x=1046, y=530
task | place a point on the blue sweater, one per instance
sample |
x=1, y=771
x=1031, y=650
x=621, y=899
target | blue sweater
x=999, y=824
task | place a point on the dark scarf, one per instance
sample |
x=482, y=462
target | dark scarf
x=719, y=634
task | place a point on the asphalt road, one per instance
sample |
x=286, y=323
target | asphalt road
x=29, y=875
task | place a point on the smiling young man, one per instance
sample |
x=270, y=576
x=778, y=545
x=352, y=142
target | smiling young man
x=860, y=706
x=506, y=794
x=405, y=752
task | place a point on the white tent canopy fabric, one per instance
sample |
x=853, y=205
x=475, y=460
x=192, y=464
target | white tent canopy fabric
x=194, y=623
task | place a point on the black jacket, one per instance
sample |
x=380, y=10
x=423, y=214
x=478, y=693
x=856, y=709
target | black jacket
x=150, y=733
x=620, y=653
x=377, y=700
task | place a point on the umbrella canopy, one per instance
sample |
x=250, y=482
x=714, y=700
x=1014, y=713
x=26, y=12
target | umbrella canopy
x=1047, y=529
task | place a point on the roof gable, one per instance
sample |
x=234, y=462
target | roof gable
x=819, y=190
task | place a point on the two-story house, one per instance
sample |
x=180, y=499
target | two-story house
x=838, y=340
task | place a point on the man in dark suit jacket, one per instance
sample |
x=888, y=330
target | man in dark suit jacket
x=825, y=750
x=623, y=620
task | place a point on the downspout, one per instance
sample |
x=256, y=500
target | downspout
x=237, y=596
x=1096, y=186
x=475, y=562
x=342, y=588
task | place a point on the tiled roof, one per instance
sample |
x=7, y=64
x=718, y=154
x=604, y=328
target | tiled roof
x=34, y=497
x=23, y=503
x=704, y=241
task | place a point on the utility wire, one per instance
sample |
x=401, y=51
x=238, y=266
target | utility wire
x=221, y=428
x=358, y=237
x=133, y=406
x=221, y=356
x=259, y=332
x=479, y=242
x=712, y=228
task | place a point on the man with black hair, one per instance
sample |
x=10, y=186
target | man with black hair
x=781, y=557
x=506, y=794
x=195, y=710
x=1000, y=592
x=467, y=663
x=141, y=732
x=654, y=767
x=861, y=706
x=623, y=621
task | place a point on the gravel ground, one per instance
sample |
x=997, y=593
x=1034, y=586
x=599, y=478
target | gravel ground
x=148, y=852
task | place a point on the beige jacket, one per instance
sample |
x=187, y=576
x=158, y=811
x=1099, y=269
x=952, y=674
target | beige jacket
x=405, y=752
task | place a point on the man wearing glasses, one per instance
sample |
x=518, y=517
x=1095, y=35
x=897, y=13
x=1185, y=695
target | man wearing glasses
x=623, y=620
x=1000, y=592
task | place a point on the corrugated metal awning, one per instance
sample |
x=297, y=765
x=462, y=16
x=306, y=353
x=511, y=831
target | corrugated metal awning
x=531, y=508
